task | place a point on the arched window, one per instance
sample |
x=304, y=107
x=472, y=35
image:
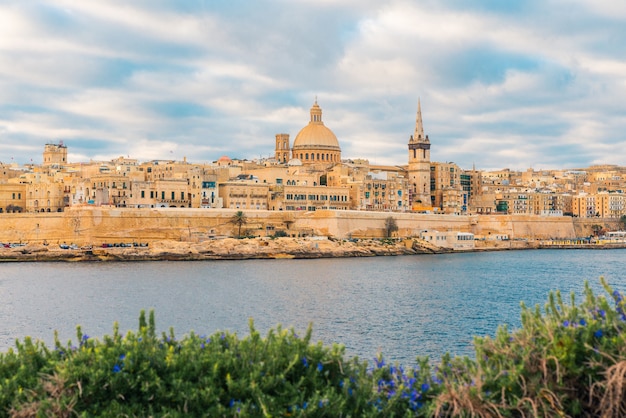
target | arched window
x=306, y=156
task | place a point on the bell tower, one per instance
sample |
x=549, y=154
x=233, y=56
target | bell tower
x=282, y=148
x=419, y=164
x=55, y=155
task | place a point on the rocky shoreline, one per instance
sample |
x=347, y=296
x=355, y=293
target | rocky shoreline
x=224, y=249
x=257, y=248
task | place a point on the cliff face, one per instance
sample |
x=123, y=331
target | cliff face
x=98, y=225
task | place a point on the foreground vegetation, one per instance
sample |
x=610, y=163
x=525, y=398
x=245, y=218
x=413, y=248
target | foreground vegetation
x=565, y=360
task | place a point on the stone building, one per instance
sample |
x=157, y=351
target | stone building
x=12, y=197
x=244, y=193
x=283, y=148
x=311, y=198
x=447, y=192
x=55, y=155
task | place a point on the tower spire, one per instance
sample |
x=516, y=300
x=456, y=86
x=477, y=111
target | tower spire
x=419, y=127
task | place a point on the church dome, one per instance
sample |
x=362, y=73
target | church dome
x=315, y=142
x=316, y=134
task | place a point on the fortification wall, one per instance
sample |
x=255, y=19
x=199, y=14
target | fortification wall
x=525, y=226
x=585, y=226
x=96, y=225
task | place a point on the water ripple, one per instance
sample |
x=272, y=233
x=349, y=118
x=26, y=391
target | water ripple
x=402, y=306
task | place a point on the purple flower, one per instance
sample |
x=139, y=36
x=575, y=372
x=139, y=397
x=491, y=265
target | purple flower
x=425, y=387
x=122, y=356
x=566, y=323
x=320, y=366
x=117, y=368
x=305, y=362
x=598, y=333
x=602, y=313
x=582, y=322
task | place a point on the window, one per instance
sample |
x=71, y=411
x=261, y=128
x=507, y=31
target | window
x=143, y=194
x=162, y=195
x=151, y=194
x=182, y=195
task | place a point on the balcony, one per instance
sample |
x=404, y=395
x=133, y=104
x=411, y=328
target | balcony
x=171, y=201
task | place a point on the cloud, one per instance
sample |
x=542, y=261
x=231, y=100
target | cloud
x=509, y=84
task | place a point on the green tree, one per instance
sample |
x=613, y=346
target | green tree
x=596, y=229
x=239, y=219
x=390, y=226
x=622, y=222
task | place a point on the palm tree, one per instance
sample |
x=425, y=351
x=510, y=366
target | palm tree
x=239, y=219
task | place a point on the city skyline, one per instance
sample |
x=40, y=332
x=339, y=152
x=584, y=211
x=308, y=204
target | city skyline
x=535, y=84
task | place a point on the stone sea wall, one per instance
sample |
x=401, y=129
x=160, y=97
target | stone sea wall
x=97, y=225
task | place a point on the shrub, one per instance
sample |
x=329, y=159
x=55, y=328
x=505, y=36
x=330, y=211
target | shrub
x=279, y=233
x=569, y=360
x=221, y=375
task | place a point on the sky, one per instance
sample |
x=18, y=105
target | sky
x=502, y=84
